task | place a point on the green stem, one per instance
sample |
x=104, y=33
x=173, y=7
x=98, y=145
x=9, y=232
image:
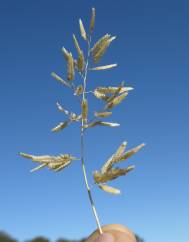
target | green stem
x=82, y=147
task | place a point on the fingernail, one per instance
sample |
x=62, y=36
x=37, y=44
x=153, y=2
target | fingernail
x=105, y=238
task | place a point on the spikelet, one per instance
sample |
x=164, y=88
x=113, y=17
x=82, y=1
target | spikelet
x=97, y=56
x=110, y=175
x=28, y=156
x=58, y=78
x=120, y=150
x=65, y=53
x=48, y=158
x=100, y=68
x=109, y=189
x=92, y=21
x=78, y=91
x=132, y=152
x=107, y=165
x=98, y=45
x=82, y=30
x=116, y=93
x=80, y=61
x=109, y=124
x=70, y=67
x=116, y=100
x=102, y=114
x=100, y=123
x=113, y=90
x=114, y=158
x=100, y=95
x=60, y=126
x=41, y=158
x=84, y=110
x=52, y=162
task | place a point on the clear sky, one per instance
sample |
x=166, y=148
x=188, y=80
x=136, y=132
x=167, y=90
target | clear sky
x=152, y=53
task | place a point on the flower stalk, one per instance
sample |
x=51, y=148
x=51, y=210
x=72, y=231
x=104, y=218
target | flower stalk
x=82, y=143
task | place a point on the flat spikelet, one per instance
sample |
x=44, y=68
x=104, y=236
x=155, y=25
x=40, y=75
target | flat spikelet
x=80, y=61
x=117, y=100
x=120, y=150
x=101, y=46
x=52, y=162
x=70, y=67
x=92, y=21
x=97, y=46
x=59, y=79
x=107, y=165
x=60, y=126
x=102, y=49
x=102, y=114
x=28, y=156
x=100, y=123
x=132, y=152
x=113, y=90
x=110, y=175
x=106, y=67
x=78, y=90
x=82, y=30
x=109, y=189
x=114, y=158
x=84, y=110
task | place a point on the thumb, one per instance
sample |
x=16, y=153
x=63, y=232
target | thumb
x=105, y=237
x=112, y=233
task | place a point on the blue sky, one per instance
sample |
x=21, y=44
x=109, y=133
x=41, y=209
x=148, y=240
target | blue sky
x=152, y=52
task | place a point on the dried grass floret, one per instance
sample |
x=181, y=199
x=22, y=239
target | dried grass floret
x=117, y=100
x=111, y=175
x=113, y=90
x=58, y=78
x=132, y=152
x=109, y=189
x=60, y=126
x=65, y=53
x=102, y=114
x=101, y=46
x=80, y=63
x=82, y=30
x=106, y=67
x=84, y=110
x=70, y=67
x=92, y=22
x=100, y=123
x=52, y=162
x=98, y=55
